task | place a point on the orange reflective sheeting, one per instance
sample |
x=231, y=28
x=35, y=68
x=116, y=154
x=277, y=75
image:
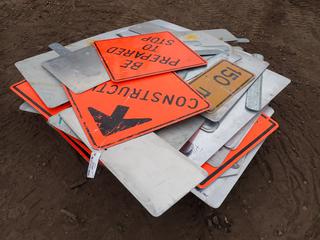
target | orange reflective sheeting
x=262, y=128
x=112, y=113
x=144, y=55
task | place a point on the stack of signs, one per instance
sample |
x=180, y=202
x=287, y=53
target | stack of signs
x=167, y=110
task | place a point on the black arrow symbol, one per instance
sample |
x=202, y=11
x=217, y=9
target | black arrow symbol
x=115, y=123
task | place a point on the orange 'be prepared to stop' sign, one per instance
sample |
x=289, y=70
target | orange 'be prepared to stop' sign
x=145, y=55
x=112, y=113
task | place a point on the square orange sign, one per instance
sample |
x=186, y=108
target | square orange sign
x=145, y=55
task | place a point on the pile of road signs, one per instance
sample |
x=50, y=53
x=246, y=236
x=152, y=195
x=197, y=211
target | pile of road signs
x=166, y=109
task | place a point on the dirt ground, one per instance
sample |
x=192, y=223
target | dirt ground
x=278, y=197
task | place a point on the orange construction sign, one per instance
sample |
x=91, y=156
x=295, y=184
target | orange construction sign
x=112, y=113
x=144, y=55
x=262, y=128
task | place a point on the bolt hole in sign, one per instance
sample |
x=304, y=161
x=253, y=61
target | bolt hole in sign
x=143, y=55
x=113, y=112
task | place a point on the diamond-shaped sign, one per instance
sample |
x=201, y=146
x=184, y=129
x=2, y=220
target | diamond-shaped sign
x=112, y=113
x=145, y=55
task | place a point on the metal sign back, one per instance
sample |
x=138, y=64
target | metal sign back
x=57, y=122
x=26, y=107
x=44, y=83
x=147, y=27
x=215, y=194
x=80, y=70
x=46, y=86
x=26, y=92
x=218, y=157
x=225, y=35
x=147, y=176
x=253, y=101
x=201, y=38
x=179, y=133
x=235, y=141
x=238, y=137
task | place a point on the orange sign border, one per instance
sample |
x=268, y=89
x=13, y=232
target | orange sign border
x=34, y=100
x=241, y=151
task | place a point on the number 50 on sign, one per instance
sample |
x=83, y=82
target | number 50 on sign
x=220, y=82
